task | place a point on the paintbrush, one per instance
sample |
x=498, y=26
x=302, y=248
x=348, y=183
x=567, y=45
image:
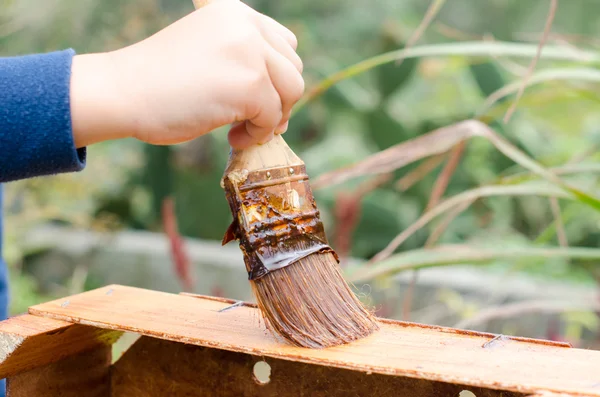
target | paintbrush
x=294, y=273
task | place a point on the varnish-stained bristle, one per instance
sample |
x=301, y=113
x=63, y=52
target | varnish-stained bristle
x=310, y=304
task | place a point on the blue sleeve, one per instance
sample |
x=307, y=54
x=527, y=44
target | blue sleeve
x=36, y=136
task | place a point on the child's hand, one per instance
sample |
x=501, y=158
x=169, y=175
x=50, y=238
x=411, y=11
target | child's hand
x=222, y=64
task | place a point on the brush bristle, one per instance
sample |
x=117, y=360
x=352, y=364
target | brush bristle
x=310, y=304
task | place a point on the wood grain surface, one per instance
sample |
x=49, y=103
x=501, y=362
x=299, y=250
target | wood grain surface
x=156, y=367
x=28, y=342
x=401, y=349
x=86, y=374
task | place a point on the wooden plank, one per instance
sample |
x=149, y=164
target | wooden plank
x=156, y=367
x=27, y=342
x=400, y=349
x=84, y=374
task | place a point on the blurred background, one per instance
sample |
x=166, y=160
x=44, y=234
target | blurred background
x=494, y=224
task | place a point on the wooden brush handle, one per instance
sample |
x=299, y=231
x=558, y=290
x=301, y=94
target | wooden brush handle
x=273, y=154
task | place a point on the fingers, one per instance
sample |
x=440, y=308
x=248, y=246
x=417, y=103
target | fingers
x=268, y=115
x=289, y=84
x=275, y=100
x=239, y=138
x=274, y=103
x=284, y=32
x=283, y=126
x=284, y=41
x=270, y=23
x=271, y=107
x=281, y=45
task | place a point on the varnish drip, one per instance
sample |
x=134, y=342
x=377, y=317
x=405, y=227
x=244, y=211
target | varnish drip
x=276, y=219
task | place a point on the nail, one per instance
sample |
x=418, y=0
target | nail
x=236, y=304
x=497, y=338
x=280, y=130
x=267, y=138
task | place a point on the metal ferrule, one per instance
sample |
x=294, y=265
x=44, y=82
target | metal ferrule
x=276, y=219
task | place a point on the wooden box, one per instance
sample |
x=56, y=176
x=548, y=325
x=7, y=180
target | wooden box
x=192, y=345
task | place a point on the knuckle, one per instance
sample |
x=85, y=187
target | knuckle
x=253, y=77
x=242, y=33
x=251, y=107
x=293, y=40
x=278, y=116
x=300, y=65
x=297, y=89
x=275, y=112
x=302, y=86
x=249, y=38
x=254, y=74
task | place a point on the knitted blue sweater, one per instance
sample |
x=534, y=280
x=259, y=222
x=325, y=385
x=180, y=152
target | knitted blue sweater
x=35, y=128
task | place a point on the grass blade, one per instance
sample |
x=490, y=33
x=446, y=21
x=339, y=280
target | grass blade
x=569, y=169
x=466, y=197
x=433, y=9
x=582, y=74
x=460, y=255
x=466, y=49
x=526, y=307
x=534, y=61
x=440, y=141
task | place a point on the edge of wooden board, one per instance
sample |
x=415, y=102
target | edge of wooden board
x=401, y=323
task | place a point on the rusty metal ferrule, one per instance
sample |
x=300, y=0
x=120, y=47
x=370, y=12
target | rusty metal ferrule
x=275, y=218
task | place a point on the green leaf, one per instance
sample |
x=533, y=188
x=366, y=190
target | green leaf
x=383, y=129
x=391, y=77
x=383, y=212
x=487, y=76
x=460, y=255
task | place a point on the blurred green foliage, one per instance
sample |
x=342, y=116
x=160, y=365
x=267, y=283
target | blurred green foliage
x=556, y=123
